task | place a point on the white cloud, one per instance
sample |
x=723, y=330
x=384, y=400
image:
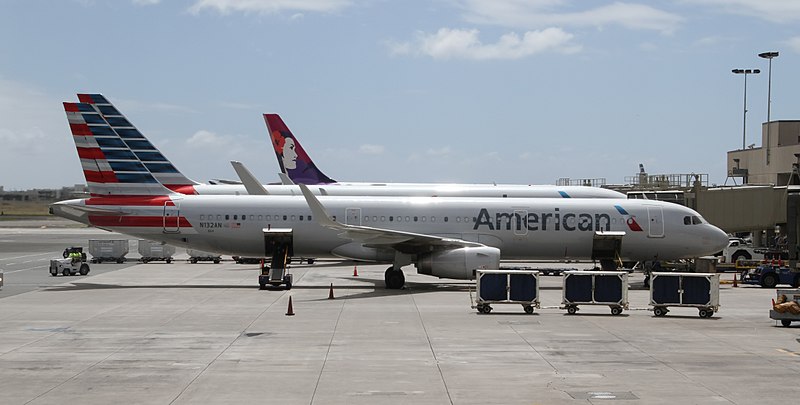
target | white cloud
x=368, y=149
x=547, y=13
x=441, y=152
x=794, y=43
x=146, y=2
x=269, y=6
x=203, y=138
x=36, y=143
x=465, y=44
x=779, y=11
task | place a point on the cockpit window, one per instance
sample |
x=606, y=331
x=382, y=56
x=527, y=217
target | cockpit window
x=692, y=220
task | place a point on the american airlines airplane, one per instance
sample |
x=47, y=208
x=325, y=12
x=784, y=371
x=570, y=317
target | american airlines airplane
x=127, y=146
x=447, y=237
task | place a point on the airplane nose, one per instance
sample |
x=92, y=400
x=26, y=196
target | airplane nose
x=717, y=239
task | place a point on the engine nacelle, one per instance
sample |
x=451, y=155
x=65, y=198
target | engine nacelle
x=458, y=263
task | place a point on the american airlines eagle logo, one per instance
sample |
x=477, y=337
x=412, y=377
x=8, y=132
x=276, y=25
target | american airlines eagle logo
x=629, y=219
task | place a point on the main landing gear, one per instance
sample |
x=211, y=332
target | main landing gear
x=395, y=279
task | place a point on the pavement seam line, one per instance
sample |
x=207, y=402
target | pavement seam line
x=327, y=352
x=433, y=352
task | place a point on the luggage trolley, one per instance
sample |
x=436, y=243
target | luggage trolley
x=506, y=287
x=595, y=288
x=698, y=290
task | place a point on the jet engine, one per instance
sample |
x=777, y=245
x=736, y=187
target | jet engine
x=458, y=263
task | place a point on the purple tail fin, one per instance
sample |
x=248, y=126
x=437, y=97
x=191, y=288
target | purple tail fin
x=293, y=160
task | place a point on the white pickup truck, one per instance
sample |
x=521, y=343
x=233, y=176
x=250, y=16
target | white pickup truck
x=738, y=249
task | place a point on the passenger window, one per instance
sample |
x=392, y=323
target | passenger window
x=399, y=219
x=433, y=219
x=334, y=217
x=260, y=217
x=309, y=218
x=445, y=219
x=227, y=217
x=301, y=217
x=268, y=218
x=408, y=219
x=391, y=218
x=423, y=218
x=253, y=217
x=235, y=217
x=284, y=217
x=374, y=218
x=415, y=219
x=219, y=217
x=458, y=219
x=293, y=217
x=383, y=218
x=244, y=216
x=366, y=218
x=202, y=217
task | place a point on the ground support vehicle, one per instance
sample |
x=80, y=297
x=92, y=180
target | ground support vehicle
x=786, y=317
x=108, y=250
x=698, y=290
x=595, y=288
x=72, y=263
x=278, y=244
x=506, y=287
x=768, y=275
x=155, y=251
x=201, y=256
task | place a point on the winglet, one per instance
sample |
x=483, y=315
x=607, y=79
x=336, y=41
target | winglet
x=285, y=180
x=318, y=210
x=251, y=184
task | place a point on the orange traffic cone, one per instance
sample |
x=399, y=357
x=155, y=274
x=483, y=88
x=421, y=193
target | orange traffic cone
x=735, y=276
x=290, y=311
x=355, y=271
x=330, y=293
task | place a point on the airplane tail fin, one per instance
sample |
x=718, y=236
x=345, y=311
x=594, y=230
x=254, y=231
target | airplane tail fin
x=110, y=163
x=293, y=160
x=159, y=166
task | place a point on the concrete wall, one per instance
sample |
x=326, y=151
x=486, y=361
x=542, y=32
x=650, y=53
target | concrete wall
x=784, y=143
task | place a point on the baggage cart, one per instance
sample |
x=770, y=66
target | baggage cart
x=201, y=256
x=506, y=287
x=112, y=250
x=698, y=290
x=595, y=288
x=155, y=251
x=786, y=313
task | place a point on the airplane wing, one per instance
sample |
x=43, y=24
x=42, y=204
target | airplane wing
x=405, y=242
x=285, y=180
x=251, y=184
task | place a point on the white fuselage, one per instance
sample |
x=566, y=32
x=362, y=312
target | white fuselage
x=422, y=190
x=528, y=229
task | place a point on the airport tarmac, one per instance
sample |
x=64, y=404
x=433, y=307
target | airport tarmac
x=204, y=333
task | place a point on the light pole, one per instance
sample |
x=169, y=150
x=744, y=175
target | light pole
x=745, y=72
x=769, y=55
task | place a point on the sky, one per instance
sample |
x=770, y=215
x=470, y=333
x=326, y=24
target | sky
x=469, y=91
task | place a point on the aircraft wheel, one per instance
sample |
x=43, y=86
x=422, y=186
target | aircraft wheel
x=395, y=279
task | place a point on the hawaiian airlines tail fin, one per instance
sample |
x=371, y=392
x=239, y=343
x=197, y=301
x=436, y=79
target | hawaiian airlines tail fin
x=159, y=167
x=292, y=159
x=110, y=162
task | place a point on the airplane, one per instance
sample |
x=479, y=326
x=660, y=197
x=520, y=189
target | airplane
x=130, y=146
x=447, y=237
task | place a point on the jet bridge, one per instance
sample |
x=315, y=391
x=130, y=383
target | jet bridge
x=606, y=247
x=278, y=245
